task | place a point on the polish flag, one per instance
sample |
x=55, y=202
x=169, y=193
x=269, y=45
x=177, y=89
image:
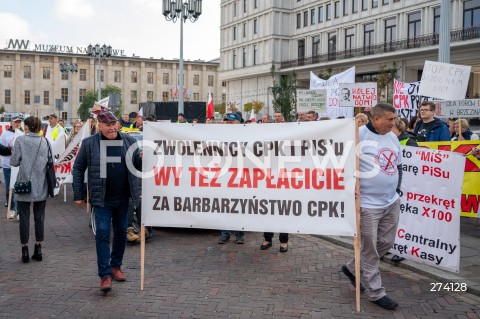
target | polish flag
x=210, y=107
x=252, y=116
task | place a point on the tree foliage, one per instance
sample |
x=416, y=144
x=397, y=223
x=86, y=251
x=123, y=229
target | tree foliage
x=91, y=97
x=284, y=93
x=232, y=107
x=384, y=80
x=221, y=108
x=256, y=105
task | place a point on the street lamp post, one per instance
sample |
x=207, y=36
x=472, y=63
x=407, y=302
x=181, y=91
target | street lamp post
x=183, y=10
x=99, y=52
x=66, y=68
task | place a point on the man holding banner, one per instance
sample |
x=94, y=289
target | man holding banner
x=380, y=179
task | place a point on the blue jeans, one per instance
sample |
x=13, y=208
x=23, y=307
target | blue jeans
x=115, y=213
x=6, y=173
x=238, y=234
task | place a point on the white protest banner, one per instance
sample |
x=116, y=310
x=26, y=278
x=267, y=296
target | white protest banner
x=444, y=80
x=311, y=100
x=406, y=98
x=429, y=225
x=64, y=163
x=459, y=108
x=333, y=92
x=277, y=177
x=358, y=94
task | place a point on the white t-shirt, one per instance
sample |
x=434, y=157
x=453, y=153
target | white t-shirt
x=379, y=157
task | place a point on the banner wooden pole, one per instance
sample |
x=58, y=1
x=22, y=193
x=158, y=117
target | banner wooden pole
x=356, y=239
x=9, y=202
x=142, y=256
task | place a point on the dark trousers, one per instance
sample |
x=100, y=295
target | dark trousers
x=283, y=237
x=23, y=210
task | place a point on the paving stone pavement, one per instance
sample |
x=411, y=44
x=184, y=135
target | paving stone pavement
x=189, y=275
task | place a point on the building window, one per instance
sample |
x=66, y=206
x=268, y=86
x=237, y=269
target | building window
x=374, y=3
x=64, y=116
x=166, y=79
x=234, y=59
x=101, y=75
x=64, y=75
x=471, y=14
x=150, y=77
x=244, y=57
x=354, y=6
x=255, y=54
x=255, y=26
x=320, y=14
x=244, y=29
x=196, y=96
x=315, y=45
x=81, y=94
x=345, y=7
x=133, y=97
x=332, y=46
x=234, y=9
x=390, y=33
x=299, y=20
x=244, y=6
x=64, y=94
x=364, y=5
x=349, y=41
x=414, y=27
x=165, y=96
x=149, y=96
x=255, y=4
x=368, y=38
x=305, y=18
x=234, y=33
x=329, y=11
x=385, y=2
x=83, y=74
x=7, y=71
x=46, y=73
x=313, y=19
x=301, y=49
x=8, y=97
x=133, y=76
x=196, y=80
x=46, y=98
x=436, y=20
x=117, y=76
x=210, y=80
x=337, y=9
x=27, y=72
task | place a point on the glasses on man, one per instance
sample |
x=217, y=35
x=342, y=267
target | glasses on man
x=425, y=110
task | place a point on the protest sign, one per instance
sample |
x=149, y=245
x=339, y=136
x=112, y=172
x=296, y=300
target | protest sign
x=429, y=224
x=470, y=199
x=277, y=177
x=333, y=92
x=406, y=98
x=444, y=80
x=358, y=94
x=311, y=100
x=458, y=108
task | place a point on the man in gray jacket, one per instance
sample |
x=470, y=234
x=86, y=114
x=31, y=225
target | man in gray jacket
x=110, y=185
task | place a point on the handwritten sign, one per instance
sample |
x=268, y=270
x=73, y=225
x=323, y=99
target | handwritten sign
x=311, y=100
x=458, y=108
x=358, y=94
x=444, y=80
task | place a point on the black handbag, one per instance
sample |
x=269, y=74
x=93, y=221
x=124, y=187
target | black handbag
x=51, y=179
x=26, y=187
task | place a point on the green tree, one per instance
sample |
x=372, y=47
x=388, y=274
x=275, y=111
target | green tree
x=91, y=97
x=325, y=75
x=385, y=81
x=220, y=108
x=284, y=93
x=256, y=105
x=2, y=109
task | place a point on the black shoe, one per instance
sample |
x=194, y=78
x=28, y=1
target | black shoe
x=386, y=303
x=351, y=277
x=223, y=240
x=397, y=259
x=283, y=249
x=266, y=246
x=25, y=254
x=37, y=254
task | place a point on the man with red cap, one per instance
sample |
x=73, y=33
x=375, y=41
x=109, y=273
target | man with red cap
x=110, y=185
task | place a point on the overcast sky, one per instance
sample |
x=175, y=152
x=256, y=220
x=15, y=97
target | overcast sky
x=136, y=26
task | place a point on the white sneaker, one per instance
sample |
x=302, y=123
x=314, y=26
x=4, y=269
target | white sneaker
x=12, y=214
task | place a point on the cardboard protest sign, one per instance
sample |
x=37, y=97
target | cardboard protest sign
x=444, y=80
x=429, y=225
x=333, y=92
x=287, y=177
x=406, y=98
x=311, y=100
x=458, y=108
x=358, y=94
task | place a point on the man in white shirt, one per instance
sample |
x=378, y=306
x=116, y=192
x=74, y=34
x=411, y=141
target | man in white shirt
x=380, y=179
x=54, y=131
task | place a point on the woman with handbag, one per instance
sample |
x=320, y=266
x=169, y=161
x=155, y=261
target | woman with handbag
x=31, y=153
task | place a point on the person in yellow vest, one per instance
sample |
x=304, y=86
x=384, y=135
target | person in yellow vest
x=181, y=118
x=53, y=131
x=404, y=137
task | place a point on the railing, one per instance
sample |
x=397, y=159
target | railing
x=393, y=46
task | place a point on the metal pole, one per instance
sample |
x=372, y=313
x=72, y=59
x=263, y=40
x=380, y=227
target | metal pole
x=99, y=90
x=444, y=35
x=69, y=108
x=180, y=98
